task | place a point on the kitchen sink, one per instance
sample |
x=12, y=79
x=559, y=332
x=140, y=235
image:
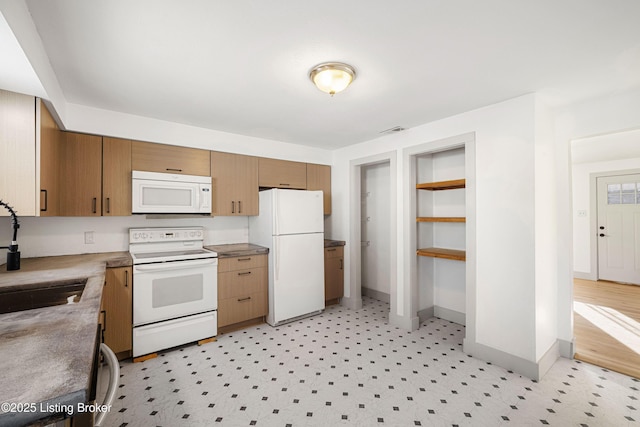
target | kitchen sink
x=38, y=295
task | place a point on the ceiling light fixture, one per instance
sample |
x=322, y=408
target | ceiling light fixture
x=332, y=77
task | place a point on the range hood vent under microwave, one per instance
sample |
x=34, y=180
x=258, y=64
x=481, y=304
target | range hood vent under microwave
x=165, y=193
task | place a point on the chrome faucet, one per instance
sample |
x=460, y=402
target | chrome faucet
x=13, y=256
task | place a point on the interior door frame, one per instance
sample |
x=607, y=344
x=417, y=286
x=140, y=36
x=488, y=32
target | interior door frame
x=593, y=220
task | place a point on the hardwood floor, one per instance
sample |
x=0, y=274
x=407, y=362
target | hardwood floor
x=607, y=325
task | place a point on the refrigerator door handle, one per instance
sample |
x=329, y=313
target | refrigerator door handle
x=277, y=259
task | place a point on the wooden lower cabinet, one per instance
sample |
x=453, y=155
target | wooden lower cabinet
x=117, y=310
x=333, y=274
x=242, y=291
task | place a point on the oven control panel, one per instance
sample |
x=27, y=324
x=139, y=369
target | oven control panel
x=178, y=234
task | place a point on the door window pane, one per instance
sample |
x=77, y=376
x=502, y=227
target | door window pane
x=613, y=194
x=629, y=193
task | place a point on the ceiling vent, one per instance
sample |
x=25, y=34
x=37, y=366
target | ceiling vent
x=394, y=129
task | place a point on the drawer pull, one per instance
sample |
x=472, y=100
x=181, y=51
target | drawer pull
x=244, y=259
x=244, y=299
x=245, y=273
x=331, y=250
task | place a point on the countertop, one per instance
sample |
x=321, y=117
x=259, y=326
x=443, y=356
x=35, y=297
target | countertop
x=46, y=354
x=329, y=243
x=238, y=249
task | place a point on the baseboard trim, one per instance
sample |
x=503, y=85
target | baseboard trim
x=450, y=315
x=567, y=348
x=351, y=303
x=377, y=295
x=426, y=313
x=404, y=322
x=513, y=363
x=443, y=313
x=584, y=276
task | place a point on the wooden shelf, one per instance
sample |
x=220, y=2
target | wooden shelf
x=441, y=219
x=453, y=254
x=442, y=185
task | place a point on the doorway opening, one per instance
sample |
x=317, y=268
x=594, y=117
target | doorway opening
x=606, y=255
x=374, y=232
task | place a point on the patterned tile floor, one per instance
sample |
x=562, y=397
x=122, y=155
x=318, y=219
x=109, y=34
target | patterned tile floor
x=352, y=368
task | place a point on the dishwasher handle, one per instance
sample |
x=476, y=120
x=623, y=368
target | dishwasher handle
x=114, y=377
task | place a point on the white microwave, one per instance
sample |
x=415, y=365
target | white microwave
x=165, y=193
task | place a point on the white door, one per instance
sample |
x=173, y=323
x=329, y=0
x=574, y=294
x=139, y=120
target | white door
x=619, y=228
x=298, y=276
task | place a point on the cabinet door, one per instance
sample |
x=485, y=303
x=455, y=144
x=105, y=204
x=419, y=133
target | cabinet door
x=319, y=178
x=17, y=153
x=274, y=173
x=50, y=136
x=117, y=304
x=80, y=175
x=116, y=177
x=333, y=273
x=235, y=184
x=151, y=157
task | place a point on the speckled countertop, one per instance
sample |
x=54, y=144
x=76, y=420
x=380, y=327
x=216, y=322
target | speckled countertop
x=328, y=243
x=46, y=354
x=238, y=249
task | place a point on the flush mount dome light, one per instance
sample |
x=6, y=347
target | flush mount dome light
x=332, y=77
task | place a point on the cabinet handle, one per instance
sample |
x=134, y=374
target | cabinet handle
x=94, y=204
x=341, y=264
x=246, y=273
x=239, y=206
x=104, y=322
x=244, y=299
x=46, y=201
x=174, y=170
x=126, y=278
x=108, y=202
x=284, y=184
x=244, y=259
x=331, y=250
x=233, y=207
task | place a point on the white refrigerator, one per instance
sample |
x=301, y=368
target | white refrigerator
x=291, y=225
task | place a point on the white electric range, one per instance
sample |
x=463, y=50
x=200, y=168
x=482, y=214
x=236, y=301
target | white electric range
x=175, y=288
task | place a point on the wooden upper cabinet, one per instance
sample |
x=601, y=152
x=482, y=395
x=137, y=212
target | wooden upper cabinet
x=274, y=173
x=50, y=137
x=80, y=175
x=319, y=178
x=234, y=179
x=151, y=157
x=116, y=177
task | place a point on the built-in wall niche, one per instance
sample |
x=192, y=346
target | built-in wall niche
x=441, y=234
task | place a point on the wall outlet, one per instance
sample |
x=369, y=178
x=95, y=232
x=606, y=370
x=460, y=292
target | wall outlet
x=88, y=238
x=582, y=213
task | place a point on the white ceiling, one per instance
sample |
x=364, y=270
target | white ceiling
x=242, y=66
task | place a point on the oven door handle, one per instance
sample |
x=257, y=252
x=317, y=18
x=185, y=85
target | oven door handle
x=114, y=378
x=175, y=265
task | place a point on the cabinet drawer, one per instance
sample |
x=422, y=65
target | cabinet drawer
x=241, y=263
x=241, y=282
x=334, y=252
x=239, y=309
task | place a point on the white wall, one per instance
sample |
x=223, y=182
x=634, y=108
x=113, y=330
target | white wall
x=375, y=227
x=504, y=317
